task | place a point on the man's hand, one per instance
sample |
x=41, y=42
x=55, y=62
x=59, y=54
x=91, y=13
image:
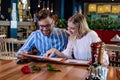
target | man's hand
x=23, y=55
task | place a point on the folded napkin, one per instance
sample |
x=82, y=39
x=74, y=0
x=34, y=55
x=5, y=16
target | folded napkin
x=116, y=37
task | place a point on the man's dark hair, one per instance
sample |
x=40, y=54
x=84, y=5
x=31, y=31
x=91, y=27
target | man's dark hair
x=44, y=14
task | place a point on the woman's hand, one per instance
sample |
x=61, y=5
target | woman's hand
x=50, y=52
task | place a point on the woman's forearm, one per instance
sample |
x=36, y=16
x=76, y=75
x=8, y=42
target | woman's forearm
x=59, y=54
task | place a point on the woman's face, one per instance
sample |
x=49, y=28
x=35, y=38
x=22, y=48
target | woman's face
x=72, y=29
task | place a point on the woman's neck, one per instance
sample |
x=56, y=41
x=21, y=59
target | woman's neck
x=78, y=36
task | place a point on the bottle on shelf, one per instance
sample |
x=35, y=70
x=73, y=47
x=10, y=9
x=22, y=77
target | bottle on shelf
x=20, y=11
x=29, y=17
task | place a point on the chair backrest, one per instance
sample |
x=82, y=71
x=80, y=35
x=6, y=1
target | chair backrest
x=114, y=59
x=3, y=36
x=7, y=50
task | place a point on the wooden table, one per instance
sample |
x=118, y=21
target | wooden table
x=9, y=70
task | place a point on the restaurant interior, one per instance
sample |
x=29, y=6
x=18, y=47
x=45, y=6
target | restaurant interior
x=18, y=20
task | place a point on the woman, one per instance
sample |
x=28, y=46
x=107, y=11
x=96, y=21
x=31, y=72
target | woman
x=80, y=40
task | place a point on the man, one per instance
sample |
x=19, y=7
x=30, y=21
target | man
x=46, y=37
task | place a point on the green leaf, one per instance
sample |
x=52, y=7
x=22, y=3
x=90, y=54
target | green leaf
x=61, y=23
x=37, y=68
x=51, y=68
x=54, y=70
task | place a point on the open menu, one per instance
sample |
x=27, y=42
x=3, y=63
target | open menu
x=61, y=60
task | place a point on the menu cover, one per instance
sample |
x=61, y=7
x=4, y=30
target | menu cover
x=61, y=60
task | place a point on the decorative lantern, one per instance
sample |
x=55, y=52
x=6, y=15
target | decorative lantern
x=100, y=9
x=92, y=7
x=115, y=9
x=107, y=8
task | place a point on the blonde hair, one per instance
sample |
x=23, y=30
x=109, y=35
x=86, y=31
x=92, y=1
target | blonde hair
x=80, y=21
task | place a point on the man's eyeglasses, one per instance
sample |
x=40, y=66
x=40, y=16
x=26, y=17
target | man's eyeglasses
x=46, y=26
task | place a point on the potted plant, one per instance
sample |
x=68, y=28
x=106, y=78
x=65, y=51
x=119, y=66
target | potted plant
x=102, y=24
x=61, y=23
x=108, y=23
x=106, y=28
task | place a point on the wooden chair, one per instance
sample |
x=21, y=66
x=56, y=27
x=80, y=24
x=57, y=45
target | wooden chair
x=3, y=36
x=7, y=50
x=114, y=59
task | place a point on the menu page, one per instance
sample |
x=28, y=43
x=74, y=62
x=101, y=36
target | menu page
x=56, y=59
x=76, y=61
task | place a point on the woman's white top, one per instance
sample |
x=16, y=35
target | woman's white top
x=81, y=48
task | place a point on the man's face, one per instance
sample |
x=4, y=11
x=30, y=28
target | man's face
x=46, y=26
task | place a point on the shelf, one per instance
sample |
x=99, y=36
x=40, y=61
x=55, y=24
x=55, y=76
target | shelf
x=4, y=23
x=26, y=23
x=7, y=23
